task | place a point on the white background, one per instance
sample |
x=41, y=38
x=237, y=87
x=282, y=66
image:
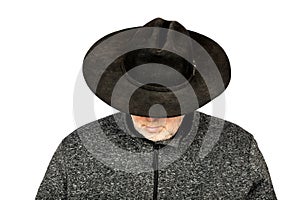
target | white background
x=42, y=46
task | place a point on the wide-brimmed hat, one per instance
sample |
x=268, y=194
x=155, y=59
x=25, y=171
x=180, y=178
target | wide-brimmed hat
x=160, y=69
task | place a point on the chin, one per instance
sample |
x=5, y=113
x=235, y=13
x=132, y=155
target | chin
x=163, y=135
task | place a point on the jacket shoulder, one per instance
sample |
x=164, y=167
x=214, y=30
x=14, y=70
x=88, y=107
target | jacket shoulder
x=230, y=132
x=73, y=140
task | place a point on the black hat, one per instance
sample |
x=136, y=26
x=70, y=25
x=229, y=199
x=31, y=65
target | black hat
x=156, y=70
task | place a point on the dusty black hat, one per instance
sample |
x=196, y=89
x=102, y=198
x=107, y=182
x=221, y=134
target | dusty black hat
x=156, y=70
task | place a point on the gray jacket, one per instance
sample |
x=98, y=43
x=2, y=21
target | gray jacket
x=208, y=158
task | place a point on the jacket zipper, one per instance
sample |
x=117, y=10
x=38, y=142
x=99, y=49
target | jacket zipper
x=155, y=167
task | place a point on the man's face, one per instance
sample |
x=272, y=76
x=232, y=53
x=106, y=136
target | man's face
x=157, y=129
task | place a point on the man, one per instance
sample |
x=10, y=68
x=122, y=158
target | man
x=158, y=146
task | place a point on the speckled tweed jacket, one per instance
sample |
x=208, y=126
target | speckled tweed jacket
x=108, y=159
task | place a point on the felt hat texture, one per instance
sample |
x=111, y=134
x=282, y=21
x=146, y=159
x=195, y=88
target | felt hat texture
x=160, y=69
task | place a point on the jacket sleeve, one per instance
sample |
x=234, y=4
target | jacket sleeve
x=262, y=188
x=53, y=185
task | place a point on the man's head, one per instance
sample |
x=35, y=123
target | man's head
x=157, y=129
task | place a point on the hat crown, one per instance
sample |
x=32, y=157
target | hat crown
x=171, y=25
x=160, y=67
x=174, y=25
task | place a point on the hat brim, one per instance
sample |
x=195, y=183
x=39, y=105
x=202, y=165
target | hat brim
x=105, y=77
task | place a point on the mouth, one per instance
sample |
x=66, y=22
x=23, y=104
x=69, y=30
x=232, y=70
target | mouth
x=153, y=129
